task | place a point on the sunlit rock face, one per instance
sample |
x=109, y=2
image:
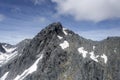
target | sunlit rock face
x=56, y=53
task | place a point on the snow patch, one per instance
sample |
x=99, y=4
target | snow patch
x=8, y=50
x=92, y=54
x=115, y=50
x=30, y=70
x=4, y=57
x=82, y=51
x=84, y=54
x=93, y=57
x=104, y=57
x=94, y=47
x=65, y=31
x=4, y=76
x=5, y=45
x=59, y=37
x=64, y=45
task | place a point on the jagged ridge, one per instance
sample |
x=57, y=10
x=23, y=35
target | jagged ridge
x=61, y=54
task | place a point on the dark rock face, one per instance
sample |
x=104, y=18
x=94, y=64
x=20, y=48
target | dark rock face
x=2, y=49
x=8, y=45
x=66, y=56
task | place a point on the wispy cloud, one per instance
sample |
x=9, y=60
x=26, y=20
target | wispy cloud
x=13, y=37
x=2, y=17
x=90, y=10
x=41, y=21
x=100, y=34
x=38, y=2
x=16, y=10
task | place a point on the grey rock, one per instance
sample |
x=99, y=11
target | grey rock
x=21, y=45
x=2, y=49
x=68, y=63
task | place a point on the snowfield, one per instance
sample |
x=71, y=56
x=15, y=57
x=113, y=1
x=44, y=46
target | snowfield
x=64, y=45
x=10, y=54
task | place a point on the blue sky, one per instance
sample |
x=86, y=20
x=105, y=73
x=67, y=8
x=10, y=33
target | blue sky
x=20, y=19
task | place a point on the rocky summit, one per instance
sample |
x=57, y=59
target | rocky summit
x=57, y=53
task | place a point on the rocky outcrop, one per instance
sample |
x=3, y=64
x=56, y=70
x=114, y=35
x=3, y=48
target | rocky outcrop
x=21, y=45
x=2, y=49
x=56, y=53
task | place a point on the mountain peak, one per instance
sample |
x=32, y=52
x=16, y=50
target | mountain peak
x=55, y=28
x=59, y=54
x=55, y=24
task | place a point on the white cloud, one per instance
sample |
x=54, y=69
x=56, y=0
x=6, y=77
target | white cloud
x=2, y=17
x=40, y=19
x=90, y=10
x=38, y=2
x=100, y=34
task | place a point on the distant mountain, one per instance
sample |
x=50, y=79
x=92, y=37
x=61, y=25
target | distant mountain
x=9, y=52
x=56, y=53
x=7, y=45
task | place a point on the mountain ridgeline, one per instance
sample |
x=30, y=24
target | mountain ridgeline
x=56, y=53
